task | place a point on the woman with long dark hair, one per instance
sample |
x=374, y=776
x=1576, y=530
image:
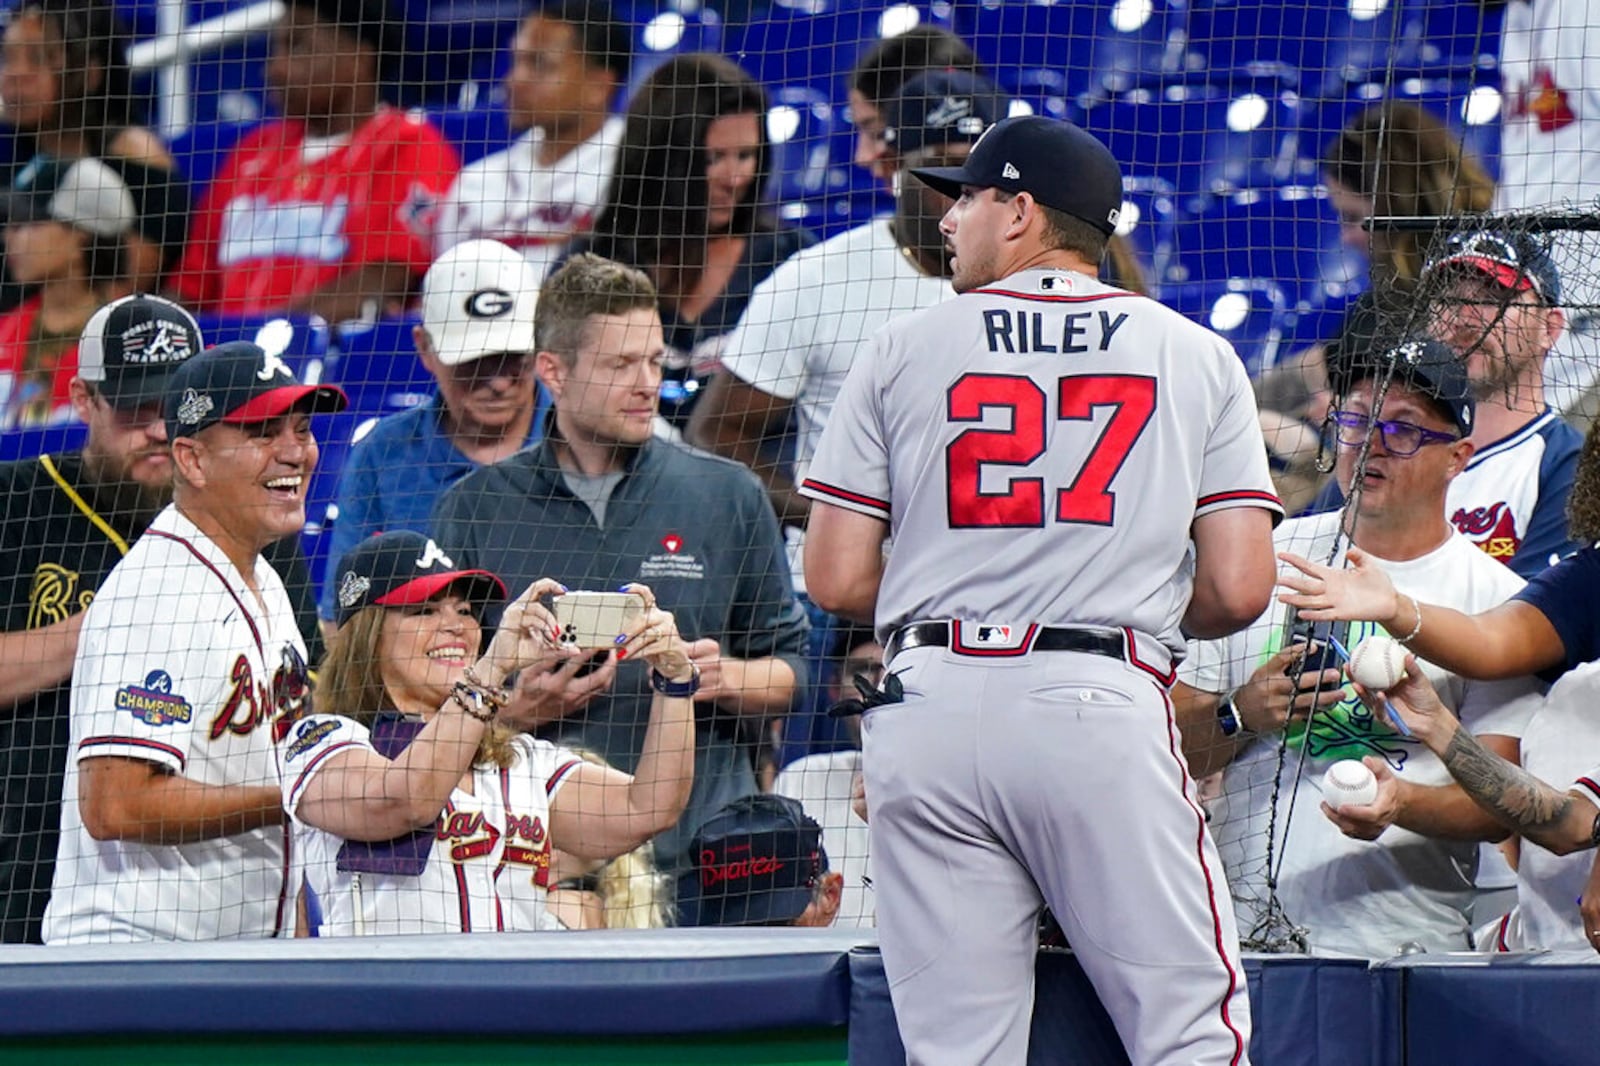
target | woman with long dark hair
x=685, y=205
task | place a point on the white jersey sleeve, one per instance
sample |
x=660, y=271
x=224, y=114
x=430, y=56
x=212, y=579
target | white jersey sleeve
x=1235, y=473
x=306, y=749
x=851, y=467
x=767, y=350
x=145, y=686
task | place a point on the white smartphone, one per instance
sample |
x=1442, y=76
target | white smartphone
x=595, y=619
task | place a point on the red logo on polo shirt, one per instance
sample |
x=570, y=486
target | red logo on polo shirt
x=672, y=542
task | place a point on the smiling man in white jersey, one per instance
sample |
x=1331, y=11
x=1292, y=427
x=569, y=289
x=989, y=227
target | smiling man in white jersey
x=171, y=821
x=1070, y=473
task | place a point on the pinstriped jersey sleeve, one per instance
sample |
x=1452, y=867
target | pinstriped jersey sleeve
x=1235, y=472
x=851, y=467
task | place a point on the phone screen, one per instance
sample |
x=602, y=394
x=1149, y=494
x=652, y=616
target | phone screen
x=1321, y=634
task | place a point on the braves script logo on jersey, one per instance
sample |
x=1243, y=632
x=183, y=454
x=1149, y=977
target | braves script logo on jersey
x=1492, y=528
x=154, y=702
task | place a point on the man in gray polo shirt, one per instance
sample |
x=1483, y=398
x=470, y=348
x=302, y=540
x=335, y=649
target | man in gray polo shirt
x=600, y=503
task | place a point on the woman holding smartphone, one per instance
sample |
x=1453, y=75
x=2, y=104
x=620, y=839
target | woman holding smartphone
x=418, y=805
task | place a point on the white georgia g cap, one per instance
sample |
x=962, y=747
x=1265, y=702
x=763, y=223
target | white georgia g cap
x=478, y=299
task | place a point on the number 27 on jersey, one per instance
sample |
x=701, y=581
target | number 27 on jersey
x=1088, y=499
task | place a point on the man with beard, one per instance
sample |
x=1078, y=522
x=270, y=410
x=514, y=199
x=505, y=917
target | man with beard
x=1495, y=297
x=70, y=518
x=805, y=323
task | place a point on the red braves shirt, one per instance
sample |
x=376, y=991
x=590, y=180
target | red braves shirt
x=275, y=226
x=33, y=391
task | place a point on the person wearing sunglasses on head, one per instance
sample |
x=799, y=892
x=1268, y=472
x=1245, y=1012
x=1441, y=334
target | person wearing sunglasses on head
x=1494, y=296
x=1361, y=880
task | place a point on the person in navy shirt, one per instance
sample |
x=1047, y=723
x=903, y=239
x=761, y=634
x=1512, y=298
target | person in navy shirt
x=476, y=339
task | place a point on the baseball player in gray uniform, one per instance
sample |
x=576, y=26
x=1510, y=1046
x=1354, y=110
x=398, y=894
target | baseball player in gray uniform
x=1070, y=473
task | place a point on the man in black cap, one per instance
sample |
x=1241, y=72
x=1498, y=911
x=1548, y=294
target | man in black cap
x=188, y=662
x=1365, y=880
x=759, y=861
x=70, y=518
x=1072, y=473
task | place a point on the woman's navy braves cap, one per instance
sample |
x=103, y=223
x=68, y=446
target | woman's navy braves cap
x=402, y=569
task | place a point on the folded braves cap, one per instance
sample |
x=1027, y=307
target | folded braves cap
x=82, y=193
x=1515, y=261
x=1430, y=368
x=941, y=107
x=1058, y=164
x=478, y=299
x=131, y=347
x=755, y=862
x=238, y=383
x=401, y=569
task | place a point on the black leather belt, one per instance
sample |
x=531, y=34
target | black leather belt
x=1112, y=643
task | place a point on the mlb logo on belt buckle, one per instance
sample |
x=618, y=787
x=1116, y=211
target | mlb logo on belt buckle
x=991, y=640
x=992, y=635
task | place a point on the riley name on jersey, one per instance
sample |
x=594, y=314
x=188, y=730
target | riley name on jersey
x=1050, y=332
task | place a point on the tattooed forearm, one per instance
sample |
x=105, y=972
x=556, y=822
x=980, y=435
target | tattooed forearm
x=1513, y=794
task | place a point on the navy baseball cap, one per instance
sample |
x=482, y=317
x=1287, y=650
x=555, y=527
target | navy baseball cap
x=941, y=107
x=402, y=569
x=238, y=384
x=131, y=347
x=1515, y=261
x=756, y=861
x=1057, y=163
x=1430, y=368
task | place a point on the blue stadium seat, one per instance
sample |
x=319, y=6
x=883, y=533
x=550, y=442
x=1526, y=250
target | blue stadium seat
x=1041, y=91
x=336, y=434
x=1102, y=47
x=1316, y=47
x=201, y=149
x=301, y=341
x=378, y=368
x=40, y=440
x=1201, y=138
x=1250, y=313
x=1149, y=222
x=1450, y=39
x=1286, y=234
x=817, y=42
x=804, y=134
x=662, y=34
x=451, y=43
x=474, y=132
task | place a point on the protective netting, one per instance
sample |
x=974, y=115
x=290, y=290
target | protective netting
x=319, y=179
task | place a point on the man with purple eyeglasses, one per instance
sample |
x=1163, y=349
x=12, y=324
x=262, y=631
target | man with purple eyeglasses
x=1374, y=880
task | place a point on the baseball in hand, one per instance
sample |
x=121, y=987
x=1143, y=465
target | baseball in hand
x=1348, y=783
x=1378, y=663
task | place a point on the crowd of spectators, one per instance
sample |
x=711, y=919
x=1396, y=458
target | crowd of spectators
x=599, y=302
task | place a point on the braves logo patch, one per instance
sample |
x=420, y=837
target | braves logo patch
x=193, y=407
x=351, y=588
x=154, y=702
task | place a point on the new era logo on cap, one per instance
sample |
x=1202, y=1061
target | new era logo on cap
x=1009, y=171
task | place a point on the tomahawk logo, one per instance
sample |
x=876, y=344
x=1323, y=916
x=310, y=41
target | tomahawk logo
x=271, y=367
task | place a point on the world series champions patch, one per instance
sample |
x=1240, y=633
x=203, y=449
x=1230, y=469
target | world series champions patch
x=154, y=702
